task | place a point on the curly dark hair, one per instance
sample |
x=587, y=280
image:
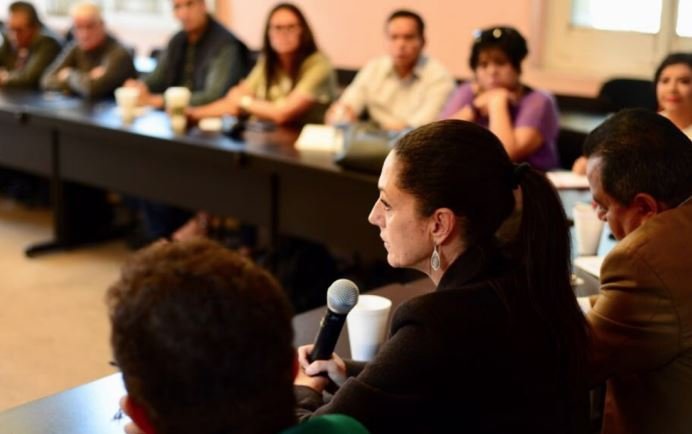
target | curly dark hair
x=204, y=340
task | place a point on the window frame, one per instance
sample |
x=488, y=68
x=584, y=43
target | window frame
x=607, y=53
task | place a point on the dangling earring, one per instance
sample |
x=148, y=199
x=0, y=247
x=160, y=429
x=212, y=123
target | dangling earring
x=435, y=259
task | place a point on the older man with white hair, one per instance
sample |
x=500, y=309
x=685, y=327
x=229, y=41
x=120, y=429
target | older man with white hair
x=95, y=64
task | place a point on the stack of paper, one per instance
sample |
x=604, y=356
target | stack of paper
x=590, y=264
x=564, y=179
x=316, y=137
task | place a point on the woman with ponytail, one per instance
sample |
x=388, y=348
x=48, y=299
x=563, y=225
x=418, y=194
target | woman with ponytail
x=500, y=345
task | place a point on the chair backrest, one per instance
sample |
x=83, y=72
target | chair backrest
x=345, y=76
x=619, y=93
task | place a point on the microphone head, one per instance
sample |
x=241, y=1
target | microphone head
x=342, y=295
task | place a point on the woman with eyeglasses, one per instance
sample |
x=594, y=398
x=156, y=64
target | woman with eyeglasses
x=292, y=83
x=524, y=119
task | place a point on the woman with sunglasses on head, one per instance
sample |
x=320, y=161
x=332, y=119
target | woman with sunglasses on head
x=524, y=119
x=500, y=345
x=292, y=83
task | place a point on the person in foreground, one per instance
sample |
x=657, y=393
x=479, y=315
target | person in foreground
x=500, y=345
x=639, y=171
x=525, y=119
x=204, y=341
x=292, y=83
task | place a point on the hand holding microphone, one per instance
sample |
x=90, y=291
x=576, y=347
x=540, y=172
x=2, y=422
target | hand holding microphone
x=342, y=296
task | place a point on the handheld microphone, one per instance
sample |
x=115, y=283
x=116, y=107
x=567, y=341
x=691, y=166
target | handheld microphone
x=342, y=296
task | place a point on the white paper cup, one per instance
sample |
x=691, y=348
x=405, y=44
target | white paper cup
x=178, y=124
x=177, y=99
x=211, y=125
x=367, y=326
x=127, y=98
x=587, y=228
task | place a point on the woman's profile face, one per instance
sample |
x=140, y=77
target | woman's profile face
x=494, y=70
x=674, y=89
x=405, y=233
x=284, y=32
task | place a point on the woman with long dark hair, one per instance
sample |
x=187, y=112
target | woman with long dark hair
x=292, y=82
x=500, y=346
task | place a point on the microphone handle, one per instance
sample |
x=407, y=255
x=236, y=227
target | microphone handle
x=328, y=334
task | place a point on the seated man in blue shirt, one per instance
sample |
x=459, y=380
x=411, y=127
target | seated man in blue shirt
x=205, y=343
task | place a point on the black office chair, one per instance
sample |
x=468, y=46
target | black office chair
x=619, y=93
x=345, y=76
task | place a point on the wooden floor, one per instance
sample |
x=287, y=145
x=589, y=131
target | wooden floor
x=53, y=324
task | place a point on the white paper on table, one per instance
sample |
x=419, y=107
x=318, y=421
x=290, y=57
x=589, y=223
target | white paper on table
x=315, y=137
x=590, y=264
x=565, y=179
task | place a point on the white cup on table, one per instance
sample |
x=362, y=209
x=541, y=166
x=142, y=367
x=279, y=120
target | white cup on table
x=367, y=326
x=587, y=228
x=127, y=98
x=177, y=98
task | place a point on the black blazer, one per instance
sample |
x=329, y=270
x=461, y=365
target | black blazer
x=457, y=358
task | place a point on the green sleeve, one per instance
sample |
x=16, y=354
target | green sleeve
x=67, y=58
x=43, y=54
x=4, y=51
x=328, y=424
x=226, y=70
x=156, y=80
x=254, y=79
x=119, y=67
x=316, y=77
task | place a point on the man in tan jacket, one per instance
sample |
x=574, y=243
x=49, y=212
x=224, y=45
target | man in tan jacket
x=640, y=173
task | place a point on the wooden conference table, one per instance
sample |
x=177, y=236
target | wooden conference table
x=90, y=408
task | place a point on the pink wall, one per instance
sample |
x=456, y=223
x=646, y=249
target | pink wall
x=351, y=32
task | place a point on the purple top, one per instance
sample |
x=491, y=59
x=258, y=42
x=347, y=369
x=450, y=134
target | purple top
x=536, y=109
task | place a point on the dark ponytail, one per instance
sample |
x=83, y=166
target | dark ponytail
x=464, y=167
x=543, y=247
